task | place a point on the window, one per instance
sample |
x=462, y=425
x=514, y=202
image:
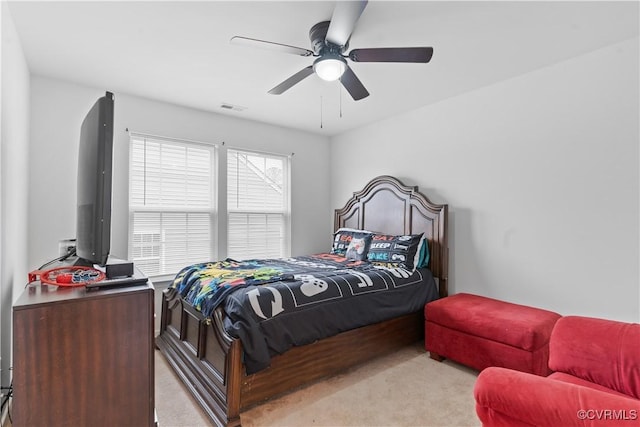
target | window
x=258, y=205
x=171, y=204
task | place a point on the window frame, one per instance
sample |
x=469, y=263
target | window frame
x=212, y=210
x=286, y=209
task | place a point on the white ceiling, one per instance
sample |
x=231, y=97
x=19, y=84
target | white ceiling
x=179, y=52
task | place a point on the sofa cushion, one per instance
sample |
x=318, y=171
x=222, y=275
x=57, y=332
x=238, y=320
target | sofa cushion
x=561, y=376
x=503, y=394
x=517, y=325
x=601, y=351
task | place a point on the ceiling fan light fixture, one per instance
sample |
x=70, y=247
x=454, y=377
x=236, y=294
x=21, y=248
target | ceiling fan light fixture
x=330, y=67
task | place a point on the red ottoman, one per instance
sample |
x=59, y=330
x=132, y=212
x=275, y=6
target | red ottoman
x=480, y=332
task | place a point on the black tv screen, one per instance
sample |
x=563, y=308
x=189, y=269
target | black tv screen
x=93, y=231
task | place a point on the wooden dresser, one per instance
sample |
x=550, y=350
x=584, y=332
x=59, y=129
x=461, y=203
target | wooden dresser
x=83, y=358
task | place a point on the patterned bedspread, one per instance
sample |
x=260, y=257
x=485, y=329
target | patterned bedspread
x=274, y=304
x=205, y=285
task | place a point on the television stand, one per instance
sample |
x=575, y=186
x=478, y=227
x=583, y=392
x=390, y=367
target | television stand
x=83, y=358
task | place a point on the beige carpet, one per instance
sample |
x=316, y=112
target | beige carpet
x=406, y=388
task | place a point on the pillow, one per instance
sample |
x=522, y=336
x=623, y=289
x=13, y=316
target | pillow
x=423, y=258
x=402, y=251
x=358, y=247
x=342, y=238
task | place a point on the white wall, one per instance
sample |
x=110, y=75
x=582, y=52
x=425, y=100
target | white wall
x=541, y=176
x=57, y=111
x=14, y=165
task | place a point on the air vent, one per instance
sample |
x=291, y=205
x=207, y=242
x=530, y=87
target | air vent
x=227, y=106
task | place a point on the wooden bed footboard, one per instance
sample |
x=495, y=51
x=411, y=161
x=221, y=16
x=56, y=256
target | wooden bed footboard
x=206, y=359
x=209, y=362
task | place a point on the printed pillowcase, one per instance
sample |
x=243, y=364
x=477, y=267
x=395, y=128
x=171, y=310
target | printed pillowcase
x=407, y=251
x=351, y=244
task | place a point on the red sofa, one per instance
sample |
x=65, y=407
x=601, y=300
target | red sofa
x=595, y=380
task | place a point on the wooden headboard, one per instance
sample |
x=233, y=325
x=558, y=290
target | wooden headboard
x=386, y=205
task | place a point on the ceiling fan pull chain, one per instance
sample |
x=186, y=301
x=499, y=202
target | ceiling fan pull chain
x=320, y=111
x=340, y=91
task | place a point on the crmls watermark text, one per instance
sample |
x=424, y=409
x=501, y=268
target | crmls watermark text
x=608, y=414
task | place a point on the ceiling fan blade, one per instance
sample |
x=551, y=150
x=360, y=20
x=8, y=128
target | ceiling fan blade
x=353, y=85
x=279, y=47
x=343, y=21
x=392, y=54
x=293, y=80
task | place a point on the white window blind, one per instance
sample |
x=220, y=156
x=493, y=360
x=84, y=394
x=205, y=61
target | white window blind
x=172, y=204
x=258, y=204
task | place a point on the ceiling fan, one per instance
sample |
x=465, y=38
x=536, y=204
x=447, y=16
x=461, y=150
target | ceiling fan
x=329, y=41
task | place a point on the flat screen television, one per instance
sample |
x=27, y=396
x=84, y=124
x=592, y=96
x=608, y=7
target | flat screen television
x=93, y=229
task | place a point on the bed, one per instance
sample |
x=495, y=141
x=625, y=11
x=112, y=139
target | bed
x=211, y=362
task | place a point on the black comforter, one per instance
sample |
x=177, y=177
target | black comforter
x=316, y=297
